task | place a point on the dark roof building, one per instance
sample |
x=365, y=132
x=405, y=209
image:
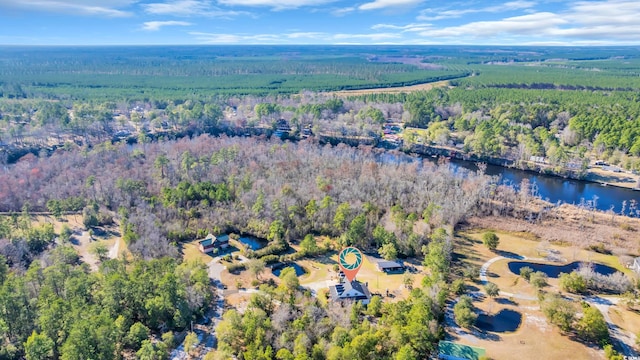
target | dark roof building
x=211, y=243
x=390, y=266
x=353, y=290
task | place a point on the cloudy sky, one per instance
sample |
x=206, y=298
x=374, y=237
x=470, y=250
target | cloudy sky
x=518, y=22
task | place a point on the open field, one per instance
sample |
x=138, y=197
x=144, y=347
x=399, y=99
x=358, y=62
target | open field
x=320, y=270
x=620, y=179
x=573, y=227
x=82, y=242
x=392, y=90
x=535, y=337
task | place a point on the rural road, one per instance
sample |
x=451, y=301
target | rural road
x=113, y=252
x=624, y=339
x=215, y=269
x=484, y=279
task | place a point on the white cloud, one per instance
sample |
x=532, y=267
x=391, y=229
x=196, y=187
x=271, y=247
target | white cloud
x=219, y=38
x=343, y=11
x=79, y=7
x=622, y=12
x=296, y=38
x=439, y=14
x=581, y=23
x=188, y=8
x=156, y=25
x=275, y=4
x=417, y=27
x=526, y=24
x=382, y=4
x=377, y=37
x=306, y=35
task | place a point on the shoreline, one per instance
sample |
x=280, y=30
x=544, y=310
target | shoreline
x=593, y=175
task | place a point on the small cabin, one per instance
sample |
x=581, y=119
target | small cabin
x=212, y=243
x=390, y=267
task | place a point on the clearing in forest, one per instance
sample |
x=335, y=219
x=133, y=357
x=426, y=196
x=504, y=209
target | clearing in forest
x=392, y=90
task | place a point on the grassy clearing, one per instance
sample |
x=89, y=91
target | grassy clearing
x=191, y=252
x=627, y=320
x=321, y=269
x=612, y=178
x=82, y=242
x=392, y=90
x=535, y=338
x=527, y=244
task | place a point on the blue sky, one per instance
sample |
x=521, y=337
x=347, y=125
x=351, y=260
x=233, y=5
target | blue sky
x=518, y=22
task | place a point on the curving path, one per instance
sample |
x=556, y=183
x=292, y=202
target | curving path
x=624, y=339
x=484, y=279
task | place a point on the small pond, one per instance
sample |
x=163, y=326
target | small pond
x=277, y=269
x=252, y=242
x=504, y=321
x=554, y=271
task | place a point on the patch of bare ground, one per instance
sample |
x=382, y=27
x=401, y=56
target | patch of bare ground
x=245, y=280
x=392, y=90
x=83, y=241
x=620, y=179
x=572, y=226
x=535, y=338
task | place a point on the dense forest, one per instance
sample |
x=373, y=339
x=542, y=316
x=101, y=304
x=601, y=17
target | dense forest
x=175, y=190
x=57, y=309
x=568, y=106
x=170, y=144
x=165, y=193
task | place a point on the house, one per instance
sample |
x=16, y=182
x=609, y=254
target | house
x=537, y=159
x=353, y=290
x=390, y=267
x=211, y=243
x=635, y=265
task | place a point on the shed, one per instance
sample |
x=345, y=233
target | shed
x=390, y=266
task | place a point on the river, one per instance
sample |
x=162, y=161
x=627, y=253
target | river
x=557, y=189
x=553, y=189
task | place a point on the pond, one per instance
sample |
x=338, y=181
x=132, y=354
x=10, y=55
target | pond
x=252, y=242
x=554, y=271
x=277, y=269
x=504, y=321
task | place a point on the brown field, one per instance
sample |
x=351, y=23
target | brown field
x=536, y=338
x=392, y=90
x=573, y=227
